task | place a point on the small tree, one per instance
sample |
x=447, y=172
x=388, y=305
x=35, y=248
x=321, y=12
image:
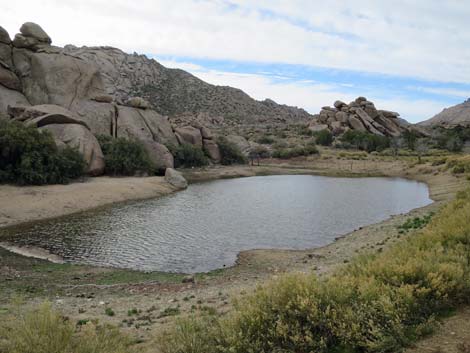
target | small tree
x=421, y=148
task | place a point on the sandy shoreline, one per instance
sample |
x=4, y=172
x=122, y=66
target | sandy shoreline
x=32, y=203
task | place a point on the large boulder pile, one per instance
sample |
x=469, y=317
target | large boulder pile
x=58, y=90
x=360, y=115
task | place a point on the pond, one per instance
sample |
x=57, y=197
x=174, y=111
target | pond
x=204, y=227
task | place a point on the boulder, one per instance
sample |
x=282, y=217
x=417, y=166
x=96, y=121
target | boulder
x=50, y=119
x=100, y=117
x=389, y=114
x=318, y=127
x=342, y=117
x=371, y=111
x=78, y=136
x=160, y=156
x=56, y=78
x=206, y=133
x=339, y=104
x=356, y=124
x=138, y=102
x=175, y=178
x=189, y=135
x=4, y=36
x=10, y=97
x=30, y=29
x=239, y=141
x=360, y=99
x=21, y=41
x=212, y=150
x=6, y=56
x=8, y=79
x=40, y=115
x=392, y=129
x=145, y=125
x=367, y=121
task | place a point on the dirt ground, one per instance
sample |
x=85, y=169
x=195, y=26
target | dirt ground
x=145, y=303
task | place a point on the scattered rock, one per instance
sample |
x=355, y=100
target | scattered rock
x=176, y=179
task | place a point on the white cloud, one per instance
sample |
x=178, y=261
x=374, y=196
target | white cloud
x=423, y=38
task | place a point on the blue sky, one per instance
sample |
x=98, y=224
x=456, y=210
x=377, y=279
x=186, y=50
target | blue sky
x=408, y=56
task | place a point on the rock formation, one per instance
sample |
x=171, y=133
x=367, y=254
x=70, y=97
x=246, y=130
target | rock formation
x=458, y=115
x=77, y=94
x=360, y=115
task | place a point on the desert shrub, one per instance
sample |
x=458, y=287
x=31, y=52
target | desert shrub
x=124, y=157
x=30, y=156
x=324, y=137
x=258, y=152
x=266, y=140
x=43, y=330
x=364, y=141
x=304, y=130
x=290, y=152
x=188, y=156
x=377, y=303
x=459, y=165
x=229, y=152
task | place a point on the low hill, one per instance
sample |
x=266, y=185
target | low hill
x=457, y=115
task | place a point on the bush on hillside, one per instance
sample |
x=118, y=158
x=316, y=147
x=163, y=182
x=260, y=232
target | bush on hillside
x=30, y=157
x=45, y=331
x=364, y=141
x=230, y=153
x=124, y=157
x=377, y=303
x=297, y=151
x=323, y=137
x=188, y=156
x=266, y=140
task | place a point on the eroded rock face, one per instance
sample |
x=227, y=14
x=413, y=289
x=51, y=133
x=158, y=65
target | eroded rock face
x=78, y=136
x=190, y=135
x=360, y=115
x=175, y=178
x=10, y=97
x=212, y=150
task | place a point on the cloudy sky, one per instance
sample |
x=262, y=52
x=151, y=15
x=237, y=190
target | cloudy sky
x=411, y=56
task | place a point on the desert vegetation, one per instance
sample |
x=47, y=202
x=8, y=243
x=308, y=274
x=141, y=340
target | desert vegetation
x=124, y=157
x=31, y=157
x=230, y=153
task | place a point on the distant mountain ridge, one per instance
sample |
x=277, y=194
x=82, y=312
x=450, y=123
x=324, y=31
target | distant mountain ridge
x=176, y=92
x=457, y=115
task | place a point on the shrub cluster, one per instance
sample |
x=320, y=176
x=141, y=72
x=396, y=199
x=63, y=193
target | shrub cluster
x=124, y=157
x=45, y=331
x=323, y=137
x=187, y=155
x=29, y=156
x=451, y=139
x=459, y=165
x=266, y=140
x=364, y=141
x=378, y=303
x=297, y=151
x=230, y=153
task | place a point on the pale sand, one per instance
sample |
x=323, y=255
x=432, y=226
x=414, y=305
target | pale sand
x=32, y=203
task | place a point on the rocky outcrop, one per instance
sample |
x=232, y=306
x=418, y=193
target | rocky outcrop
x=360, y=115
x=175, y=178
x=98, y=89
x=457, y=115
x=79, y=137
x=66, y=129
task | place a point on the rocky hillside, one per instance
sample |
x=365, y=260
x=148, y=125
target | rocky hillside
x=175, y=92
x=458, y=115
x=360, y=115
x=54, y=89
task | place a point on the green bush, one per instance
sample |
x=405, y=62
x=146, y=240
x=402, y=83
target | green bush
x=266, y=140
x=324, y=137
x=124, y=157
x=45, y=331
x=30, y=156
x=230, y=153
x=286, y=153
x=187, y=155
x=364, y=141
x=377, y=303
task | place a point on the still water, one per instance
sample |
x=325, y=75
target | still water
x=206, y=226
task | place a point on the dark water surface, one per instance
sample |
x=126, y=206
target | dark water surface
x=206, y=226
